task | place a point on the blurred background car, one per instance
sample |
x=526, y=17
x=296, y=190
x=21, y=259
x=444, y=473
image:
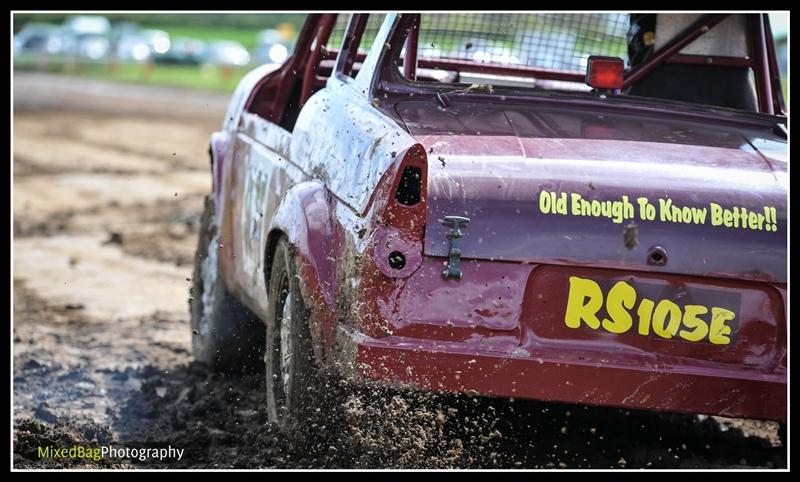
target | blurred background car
x=271, y=48
x=142, y=45
x=182, y=51
x=84, y=37
x=120, y=37
x=227, y=53
x=34, y=38
x=92, y=47
x=88, y=25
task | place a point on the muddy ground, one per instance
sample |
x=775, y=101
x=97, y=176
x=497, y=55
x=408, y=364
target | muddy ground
x=108, y=189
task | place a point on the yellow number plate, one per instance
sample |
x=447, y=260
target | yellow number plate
x=646, y=309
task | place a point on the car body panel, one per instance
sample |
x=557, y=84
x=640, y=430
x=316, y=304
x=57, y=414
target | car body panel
x=449, y=367
x=501, y=194
x=492, y=164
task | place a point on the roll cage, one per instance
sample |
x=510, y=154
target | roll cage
x=394, y=51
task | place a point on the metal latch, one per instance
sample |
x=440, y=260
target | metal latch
x=453, y=270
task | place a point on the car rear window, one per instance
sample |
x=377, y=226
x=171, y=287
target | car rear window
x=559, y=41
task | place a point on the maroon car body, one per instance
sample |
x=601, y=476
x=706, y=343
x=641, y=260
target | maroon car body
x=620, y=250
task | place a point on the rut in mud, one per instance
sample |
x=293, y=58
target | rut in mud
x=102, y=340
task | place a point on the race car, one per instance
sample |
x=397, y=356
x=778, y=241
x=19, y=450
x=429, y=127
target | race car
x=398, y=208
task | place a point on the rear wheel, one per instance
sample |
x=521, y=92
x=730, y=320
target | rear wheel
x=227, y=336
x=291, y=372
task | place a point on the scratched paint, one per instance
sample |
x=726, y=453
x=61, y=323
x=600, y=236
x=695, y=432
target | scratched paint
x=367, y=143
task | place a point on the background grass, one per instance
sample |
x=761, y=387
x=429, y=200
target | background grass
x=245, y=36
x=185, y=76
x=213, y=21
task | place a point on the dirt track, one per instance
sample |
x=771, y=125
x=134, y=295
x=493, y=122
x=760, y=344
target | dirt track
x=108, y=188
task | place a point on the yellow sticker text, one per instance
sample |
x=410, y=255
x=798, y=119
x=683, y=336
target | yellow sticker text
x=628, y=312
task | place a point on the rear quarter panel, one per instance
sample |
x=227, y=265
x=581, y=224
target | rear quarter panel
x=314, y=185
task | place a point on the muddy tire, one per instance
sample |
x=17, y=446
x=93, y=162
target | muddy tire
x=291, y=371
x=226, y=335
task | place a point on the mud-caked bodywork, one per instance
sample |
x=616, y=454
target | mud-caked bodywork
x=597, y=249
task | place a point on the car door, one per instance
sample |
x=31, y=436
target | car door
x=263, y=173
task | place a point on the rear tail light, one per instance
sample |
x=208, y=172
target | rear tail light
x=398, y=217
x=605, y=72
x=398, y=239
x=409, y=191
x=406, y=207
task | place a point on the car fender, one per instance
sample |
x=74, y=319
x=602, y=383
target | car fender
x=304, y=217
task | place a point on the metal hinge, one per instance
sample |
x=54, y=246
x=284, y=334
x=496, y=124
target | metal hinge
x=453, y=270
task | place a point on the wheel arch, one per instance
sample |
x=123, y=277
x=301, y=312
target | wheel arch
x=270, y=245
x=303, y=217
x=218, y=148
